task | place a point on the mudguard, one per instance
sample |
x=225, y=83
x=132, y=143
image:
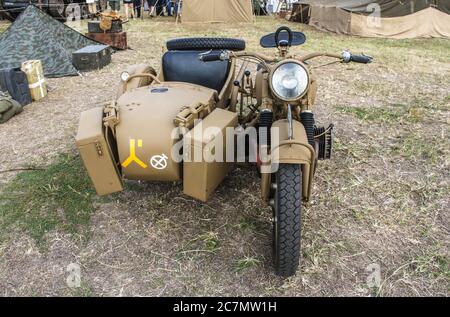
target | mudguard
x=289, y=151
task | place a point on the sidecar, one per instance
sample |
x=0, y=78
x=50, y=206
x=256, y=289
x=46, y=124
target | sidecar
x=138, y=136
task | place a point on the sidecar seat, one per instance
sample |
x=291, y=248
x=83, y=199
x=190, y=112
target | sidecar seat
x=184, y=66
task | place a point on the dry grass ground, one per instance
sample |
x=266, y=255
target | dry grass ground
x=383, y=199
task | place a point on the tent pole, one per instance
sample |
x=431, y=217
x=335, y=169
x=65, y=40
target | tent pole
x=301, y=12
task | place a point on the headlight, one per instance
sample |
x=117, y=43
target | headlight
x=124, y=76
x=290, y=81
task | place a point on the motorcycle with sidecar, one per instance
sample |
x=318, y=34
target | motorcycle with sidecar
x=213, y=104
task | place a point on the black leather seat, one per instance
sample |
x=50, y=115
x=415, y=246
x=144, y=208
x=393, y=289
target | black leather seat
x=184, y=66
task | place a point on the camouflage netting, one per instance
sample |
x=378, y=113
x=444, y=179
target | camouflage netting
x=36, y=35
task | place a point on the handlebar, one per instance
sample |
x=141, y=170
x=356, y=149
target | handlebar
x=345, y=57
x=349, y=57
x=213, y=56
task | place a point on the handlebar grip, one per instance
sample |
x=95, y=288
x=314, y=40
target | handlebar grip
x=210, y=57
x=363, y=59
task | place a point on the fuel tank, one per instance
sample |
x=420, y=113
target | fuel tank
x=145, y=133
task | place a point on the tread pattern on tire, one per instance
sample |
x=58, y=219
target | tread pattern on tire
x=205, y=43
x=289, y=192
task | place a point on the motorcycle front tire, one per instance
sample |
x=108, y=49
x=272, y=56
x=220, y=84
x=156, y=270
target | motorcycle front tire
x=287, y=206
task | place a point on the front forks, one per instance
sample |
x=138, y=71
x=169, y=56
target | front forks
x=289, y=120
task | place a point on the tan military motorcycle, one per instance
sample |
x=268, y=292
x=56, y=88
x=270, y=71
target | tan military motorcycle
x=210, y=105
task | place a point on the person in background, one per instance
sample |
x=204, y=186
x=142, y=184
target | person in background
x=176, y=6
x=137, y=8
x=151, y=7
x=92, y=7
x=129, y=9
x=169, y=7
x=115, y=6
x=160, y=4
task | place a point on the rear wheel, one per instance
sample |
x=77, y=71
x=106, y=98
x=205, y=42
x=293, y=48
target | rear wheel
x=286, y=219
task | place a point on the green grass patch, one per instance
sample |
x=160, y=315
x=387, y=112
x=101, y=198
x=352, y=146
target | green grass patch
x=59, y=197
x=83, y=291
x=416, y=146
x=434, y=264
x=252, y=224
x=246, y=263
x=210, y=241
x=207, y=242
x=396, y=113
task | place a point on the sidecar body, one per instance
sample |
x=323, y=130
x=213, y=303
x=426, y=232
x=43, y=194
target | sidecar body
x=138, y=136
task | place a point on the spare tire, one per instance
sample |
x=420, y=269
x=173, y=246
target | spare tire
x=205, y=43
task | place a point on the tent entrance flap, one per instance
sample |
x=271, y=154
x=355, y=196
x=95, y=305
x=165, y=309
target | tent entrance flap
x=217, y=11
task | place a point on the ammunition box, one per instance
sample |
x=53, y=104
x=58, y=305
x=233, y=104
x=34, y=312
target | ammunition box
x=92, y=57
x=115, y=40
x=95, y=143
x=201, y=175
x=94, y=27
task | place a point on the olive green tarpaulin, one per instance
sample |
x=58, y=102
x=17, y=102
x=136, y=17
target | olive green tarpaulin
x=36, y=35
x=217, y=11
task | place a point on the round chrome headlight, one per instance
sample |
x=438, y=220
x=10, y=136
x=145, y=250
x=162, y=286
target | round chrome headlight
x=124, y=76
x=290, y=81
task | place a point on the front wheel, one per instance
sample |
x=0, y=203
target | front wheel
x=286, y=219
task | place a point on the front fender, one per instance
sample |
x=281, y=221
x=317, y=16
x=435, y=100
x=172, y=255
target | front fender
x=294, y=151
x=289, y=151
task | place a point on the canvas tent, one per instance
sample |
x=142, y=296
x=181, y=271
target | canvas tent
x=36, y=35
x=381, y=18
x=217, y=11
